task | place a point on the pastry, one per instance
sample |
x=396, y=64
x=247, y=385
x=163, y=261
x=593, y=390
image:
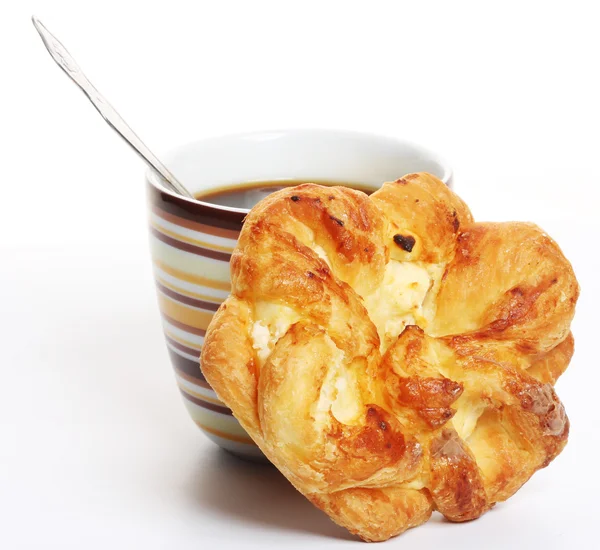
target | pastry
x=392, y=357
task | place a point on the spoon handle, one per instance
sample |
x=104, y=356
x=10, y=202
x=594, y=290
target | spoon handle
x=69, y=66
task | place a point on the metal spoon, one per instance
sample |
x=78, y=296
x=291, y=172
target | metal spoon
x=67, y=64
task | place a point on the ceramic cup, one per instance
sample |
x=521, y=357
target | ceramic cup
x=191, y=241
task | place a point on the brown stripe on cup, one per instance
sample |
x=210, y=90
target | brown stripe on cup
x=192, y=248
x=227, y=435
x=193, y=211
x=187, y=328
x=205, y=404
x=193, y=380
x=196, y=226
x=192, y=368
x=188, y=277
x=185, y=349
x=194, y=302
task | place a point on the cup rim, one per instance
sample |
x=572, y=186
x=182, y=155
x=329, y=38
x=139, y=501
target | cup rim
x=154, y=178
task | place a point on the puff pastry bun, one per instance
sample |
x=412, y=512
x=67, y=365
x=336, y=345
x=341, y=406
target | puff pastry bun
x=392, y=357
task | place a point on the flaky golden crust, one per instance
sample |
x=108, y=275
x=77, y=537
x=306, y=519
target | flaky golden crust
x=391, y=356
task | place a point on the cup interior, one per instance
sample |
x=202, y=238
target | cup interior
x=322, y=155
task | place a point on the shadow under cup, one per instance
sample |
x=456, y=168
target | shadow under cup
x=191, y=241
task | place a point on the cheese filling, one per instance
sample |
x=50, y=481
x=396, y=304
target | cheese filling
x=468, y=412
x=400, y=300
x=275, y=321
x=340, y=390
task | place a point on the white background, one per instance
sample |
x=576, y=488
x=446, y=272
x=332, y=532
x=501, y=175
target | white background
x=96, y=449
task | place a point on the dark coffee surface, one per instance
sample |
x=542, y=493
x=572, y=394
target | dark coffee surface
x=246, y=195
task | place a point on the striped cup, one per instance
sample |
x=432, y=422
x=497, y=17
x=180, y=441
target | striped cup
x=191, y=241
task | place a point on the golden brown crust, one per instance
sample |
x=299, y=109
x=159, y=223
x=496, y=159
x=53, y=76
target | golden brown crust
x=375, y=420
x=457, y=486
x=236, y=385
x=417, y=206
x=389, y=509
x=507, y=282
